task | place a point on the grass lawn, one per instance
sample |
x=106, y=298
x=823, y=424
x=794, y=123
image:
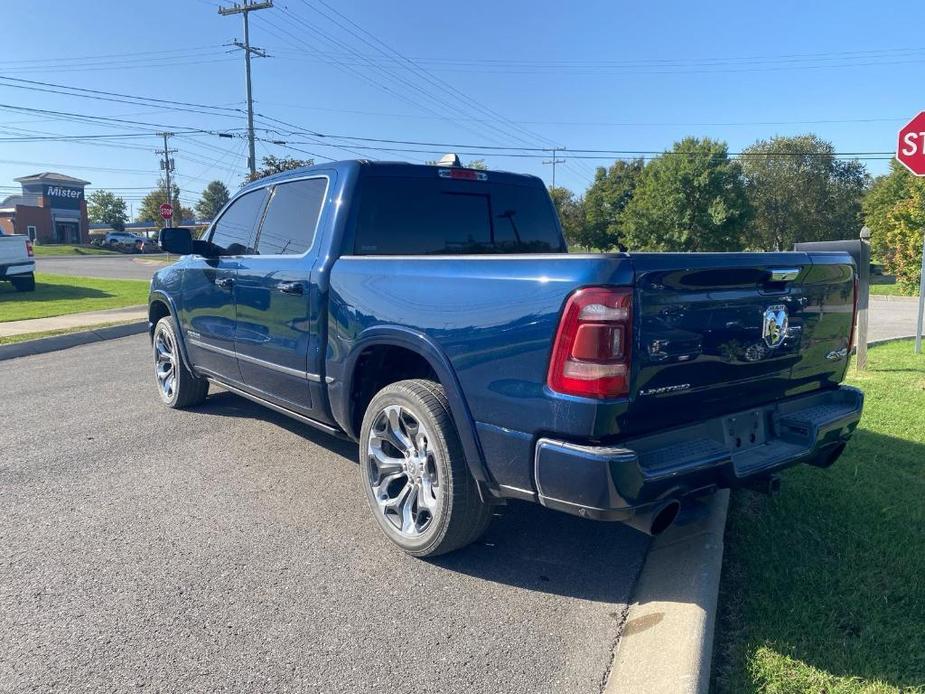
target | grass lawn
x=884, y=285
x=49, y=333
x=823, y=587
x=56, y=295
x=69, y=249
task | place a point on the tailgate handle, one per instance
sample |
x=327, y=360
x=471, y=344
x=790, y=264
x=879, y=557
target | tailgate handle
x=784, y=274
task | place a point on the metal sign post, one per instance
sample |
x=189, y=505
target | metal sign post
x=863, y=303
x=918, y=322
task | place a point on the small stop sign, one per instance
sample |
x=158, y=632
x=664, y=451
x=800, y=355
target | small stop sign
x=910, y=150
x=166, y=210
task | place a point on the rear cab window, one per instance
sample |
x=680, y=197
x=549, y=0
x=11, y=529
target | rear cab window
x=439, y=215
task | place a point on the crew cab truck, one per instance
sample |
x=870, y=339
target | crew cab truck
x=434, y=315
x=17, y=261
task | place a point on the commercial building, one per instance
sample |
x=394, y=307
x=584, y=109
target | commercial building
x=51, y=209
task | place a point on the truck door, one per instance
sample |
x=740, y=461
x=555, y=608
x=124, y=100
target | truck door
x=275, y=336
x=207, y=312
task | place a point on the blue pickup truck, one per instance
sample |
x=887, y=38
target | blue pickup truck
x=434, y=315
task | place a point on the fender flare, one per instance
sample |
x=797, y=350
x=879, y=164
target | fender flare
x=414, y=341
x=164, y=298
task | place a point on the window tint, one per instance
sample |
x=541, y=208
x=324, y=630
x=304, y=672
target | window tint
x=420, y=216
x=233, y=232
x=289, y=224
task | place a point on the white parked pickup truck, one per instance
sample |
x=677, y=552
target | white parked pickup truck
x=17, y=264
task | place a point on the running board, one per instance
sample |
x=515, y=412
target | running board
x=326, y=428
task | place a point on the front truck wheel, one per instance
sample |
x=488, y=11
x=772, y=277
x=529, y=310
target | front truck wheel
x=24, y=283
x=176, y=384
x=414, y=471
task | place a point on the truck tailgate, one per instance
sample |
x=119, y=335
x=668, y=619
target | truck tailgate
x=720, y=333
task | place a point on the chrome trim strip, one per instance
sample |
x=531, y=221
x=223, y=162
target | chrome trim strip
x=278, y=408
x=298, y=373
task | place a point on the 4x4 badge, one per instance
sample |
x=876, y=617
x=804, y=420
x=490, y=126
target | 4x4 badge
x=774, y=326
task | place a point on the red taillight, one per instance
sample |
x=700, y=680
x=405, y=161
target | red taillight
x=463, y=174
x=591, y=353
x=29, y=250
x=854, y=315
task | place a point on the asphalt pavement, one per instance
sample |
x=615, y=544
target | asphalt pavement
x=123, y=267
x=229, y=548
x=891, y=317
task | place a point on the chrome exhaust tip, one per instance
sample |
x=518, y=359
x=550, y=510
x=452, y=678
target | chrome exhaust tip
x=657, y=520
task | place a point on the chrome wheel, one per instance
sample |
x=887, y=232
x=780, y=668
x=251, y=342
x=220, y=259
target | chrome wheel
x=165, y=363
x=403, y=471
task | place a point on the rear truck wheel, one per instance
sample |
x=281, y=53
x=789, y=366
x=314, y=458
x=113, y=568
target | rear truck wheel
x=414, y=471
x=24, y=283
x=176, y=384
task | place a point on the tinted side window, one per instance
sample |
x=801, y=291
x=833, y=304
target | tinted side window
x=422, y=216
x=289, y=224
x=234, y=231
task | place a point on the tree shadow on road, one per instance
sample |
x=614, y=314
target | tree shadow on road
x=527, y=545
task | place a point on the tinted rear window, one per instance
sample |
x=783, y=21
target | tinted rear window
x=423, y=216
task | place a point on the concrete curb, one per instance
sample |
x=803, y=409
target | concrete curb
x=667, y=641
x=885, y=340
x=54, y=343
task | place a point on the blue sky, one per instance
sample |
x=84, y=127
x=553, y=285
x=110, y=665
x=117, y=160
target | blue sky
x=584, y=75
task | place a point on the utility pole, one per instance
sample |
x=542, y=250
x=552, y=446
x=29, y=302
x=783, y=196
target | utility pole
x=554, y=161
x=167, y=165
x=245, y=8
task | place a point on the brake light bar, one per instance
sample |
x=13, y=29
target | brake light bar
x=593, y=346
x=463, y=174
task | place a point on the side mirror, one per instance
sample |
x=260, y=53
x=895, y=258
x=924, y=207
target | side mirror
x=176, y=240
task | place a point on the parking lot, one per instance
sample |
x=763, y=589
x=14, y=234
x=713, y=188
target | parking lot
x=230, y=549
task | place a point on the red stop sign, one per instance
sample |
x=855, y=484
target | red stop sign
x=910, y=150
x=166, y=210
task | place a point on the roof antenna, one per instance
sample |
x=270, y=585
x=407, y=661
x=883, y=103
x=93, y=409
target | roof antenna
x=450, y=159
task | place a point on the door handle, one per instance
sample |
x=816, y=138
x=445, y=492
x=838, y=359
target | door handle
x=290, y=287
x=225, y=282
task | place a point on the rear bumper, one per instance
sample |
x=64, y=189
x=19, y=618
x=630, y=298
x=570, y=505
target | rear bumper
x=617, y=482
x=17, y=269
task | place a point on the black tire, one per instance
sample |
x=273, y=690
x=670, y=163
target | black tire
x=458, y=516
x=26, y=283
x=184, y=389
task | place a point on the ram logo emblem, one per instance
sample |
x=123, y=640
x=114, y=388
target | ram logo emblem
x=774, y=326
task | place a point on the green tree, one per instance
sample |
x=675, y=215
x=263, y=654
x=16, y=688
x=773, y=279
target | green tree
x=213, y=199
x=882, y=196
x=902, y=230
x=605, y=203
x=571, y=215
x=894, y=211
x=270, y=165
x=799, y=191
x=149, y=211
x=690, y=198
x=104, y=207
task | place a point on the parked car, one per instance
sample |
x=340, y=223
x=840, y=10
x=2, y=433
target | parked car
x=120, y=241
x=434, y=315
x=17, y=261
x=145, y=245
